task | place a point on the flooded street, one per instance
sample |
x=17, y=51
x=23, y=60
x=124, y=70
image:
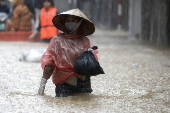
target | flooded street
x=137, y=80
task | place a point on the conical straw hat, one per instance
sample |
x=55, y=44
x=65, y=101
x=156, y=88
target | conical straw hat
x=86, y=28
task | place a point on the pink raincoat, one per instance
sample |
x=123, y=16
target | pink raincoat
x=62, y=53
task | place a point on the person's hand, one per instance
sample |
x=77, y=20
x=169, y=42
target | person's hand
x=42, y=86
x=31, y=37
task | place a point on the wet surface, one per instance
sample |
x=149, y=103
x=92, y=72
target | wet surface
x=137, y=80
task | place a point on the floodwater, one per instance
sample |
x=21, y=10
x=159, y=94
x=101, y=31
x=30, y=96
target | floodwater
x=137, y=80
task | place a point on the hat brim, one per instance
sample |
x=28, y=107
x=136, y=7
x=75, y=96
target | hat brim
x=86, y=28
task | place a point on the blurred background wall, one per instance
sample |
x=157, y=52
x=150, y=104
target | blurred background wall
x=155, y=21
x=145, y=20
x=104, y=13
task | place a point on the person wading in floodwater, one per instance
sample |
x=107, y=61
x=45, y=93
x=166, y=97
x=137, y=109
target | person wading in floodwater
x=62, y=52
x=46, y=28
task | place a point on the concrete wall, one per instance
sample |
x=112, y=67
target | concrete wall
x=155, y=17
x=62, y=5
x=134, y=19
x=125, y=15
x=103, y=13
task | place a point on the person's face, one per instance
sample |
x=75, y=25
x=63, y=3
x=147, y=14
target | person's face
x=46, y=4
x=71, y=22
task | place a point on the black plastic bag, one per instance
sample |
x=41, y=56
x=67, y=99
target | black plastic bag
x=87, y=64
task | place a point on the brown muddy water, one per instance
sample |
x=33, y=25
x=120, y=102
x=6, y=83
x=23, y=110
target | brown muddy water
x=137, y=80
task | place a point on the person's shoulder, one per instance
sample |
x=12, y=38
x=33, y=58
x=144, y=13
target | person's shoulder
x=54, y=40
x=42, y=9
x=85, y=38
x=19, y=8
x=58, y=36
x=53, y=8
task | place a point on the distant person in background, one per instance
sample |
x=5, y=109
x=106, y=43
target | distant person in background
x=46, y=27
x=38, y=4
x=34, y=6
x=4, y=11
x=20, y=19
x=30, y=5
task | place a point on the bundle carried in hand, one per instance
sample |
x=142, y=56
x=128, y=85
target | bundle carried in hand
x=87, y=64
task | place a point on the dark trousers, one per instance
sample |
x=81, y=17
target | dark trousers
x=65, y=89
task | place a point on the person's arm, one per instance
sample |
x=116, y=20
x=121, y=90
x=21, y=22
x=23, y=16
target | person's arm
x=39, y=26
x=31, y=37
x=34, y=33
x=48, y=70
x=48, y=65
